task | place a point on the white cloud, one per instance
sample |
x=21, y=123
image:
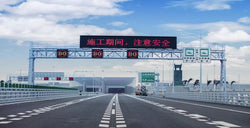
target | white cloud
x=37, y=20
x=213, y=26
x=118, y=23
x=64, y=10
x=4, y=4
x=217, y=32
x=204, y=5
x=42, y=30
x=244, y=20
x=224, y=35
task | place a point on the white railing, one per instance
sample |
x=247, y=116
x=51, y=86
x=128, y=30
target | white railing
x=241, y=98
x=233, y=98
x=18, y=93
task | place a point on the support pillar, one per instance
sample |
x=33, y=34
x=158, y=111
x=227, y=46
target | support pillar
x=31, y=68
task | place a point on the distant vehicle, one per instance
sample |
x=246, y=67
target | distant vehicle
x=142, y=91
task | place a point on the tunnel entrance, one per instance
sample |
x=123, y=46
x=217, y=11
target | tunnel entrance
x=116, y=90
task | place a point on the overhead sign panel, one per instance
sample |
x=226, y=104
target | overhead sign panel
x=127, y=42
x=204, y=55
x=189, y=55
x=148, y=77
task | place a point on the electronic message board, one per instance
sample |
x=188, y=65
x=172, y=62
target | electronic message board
x=127, y=42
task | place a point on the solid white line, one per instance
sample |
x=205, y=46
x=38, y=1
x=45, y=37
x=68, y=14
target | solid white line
x=207, y=106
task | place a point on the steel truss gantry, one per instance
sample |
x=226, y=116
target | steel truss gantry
x=86, y=53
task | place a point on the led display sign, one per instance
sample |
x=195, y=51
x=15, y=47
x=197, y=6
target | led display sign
x=127, y=42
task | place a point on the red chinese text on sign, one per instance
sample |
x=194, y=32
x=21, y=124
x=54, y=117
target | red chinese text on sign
x=110, y=42
x=165, y=43
x=137, y=42
x=156, y=43
x=147, y=42
x=91, y=42
x=119, y=42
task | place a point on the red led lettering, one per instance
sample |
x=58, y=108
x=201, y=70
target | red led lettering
x=165, y=43
x=91, y=42
x=100, y=42
x=137, y=42
x=119, y=42
x=147, y=42
x=156, y=43
x=110, y=42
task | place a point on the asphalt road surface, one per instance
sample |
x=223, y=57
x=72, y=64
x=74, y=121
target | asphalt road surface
x=122, y=111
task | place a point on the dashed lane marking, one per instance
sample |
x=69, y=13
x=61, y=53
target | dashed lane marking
x=198, y=117
x=121, y=125
x=21, y=115
x=105, y=121
x=104, y=125
x=5, y=122
x=11, y=115
x=113, y=111
x=2, y=118
x=16, y=119
x=207, y=106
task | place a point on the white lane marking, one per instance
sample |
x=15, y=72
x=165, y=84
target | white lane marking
x=2, y=118
x=207, y=106
x=225, y=124
x=220, y=124
x=26, y=116
x=113, y=104
x=21, y=113
x=104, y=125
x=121, y=125
x=113, y=111
x=5, y=122
x=119, y=118
x=105, y=118
x=105, y=121
x=120, y=122
x=11, y=115
x=42, y=110
x=16, y=119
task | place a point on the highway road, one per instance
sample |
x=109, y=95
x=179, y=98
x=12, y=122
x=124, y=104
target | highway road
x=122, y=111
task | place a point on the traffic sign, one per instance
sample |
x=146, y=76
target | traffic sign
x=189, y=55
x=148, y=77
x=204, y=55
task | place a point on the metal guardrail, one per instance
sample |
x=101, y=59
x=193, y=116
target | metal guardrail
x=17, y=92
x=233, y=98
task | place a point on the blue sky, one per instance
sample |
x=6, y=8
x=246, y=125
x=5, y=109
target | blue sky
x=58, y=23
